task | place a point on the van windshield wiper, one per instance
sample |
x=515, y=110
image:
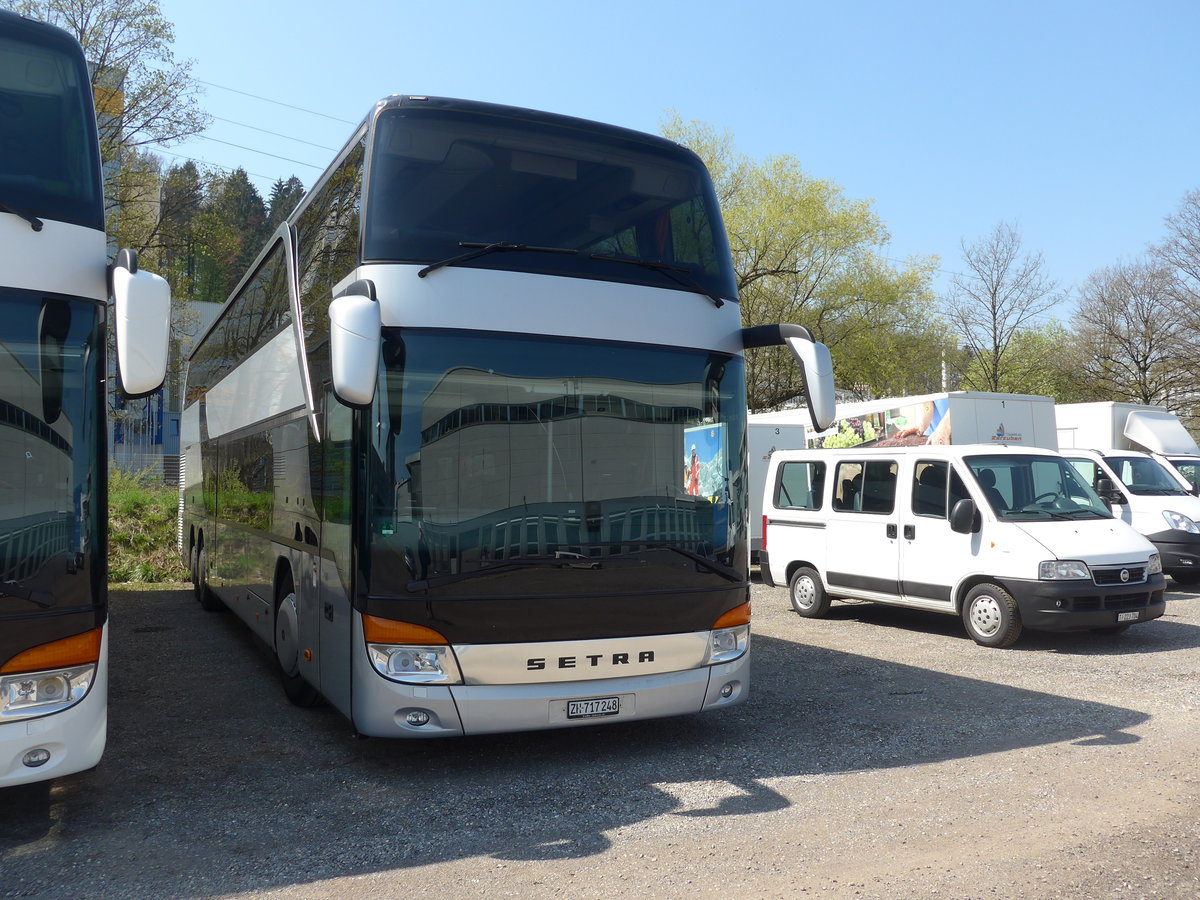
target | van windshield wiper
x=34, y=222
x=681, y=274
x=482, y=249
x=44, y=599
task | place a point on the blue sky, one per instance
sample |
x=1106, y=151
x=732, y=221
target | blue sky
x=1077, y=122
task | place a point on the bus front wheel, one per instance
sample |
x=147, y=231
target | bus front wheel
x=287, y=647
x=205, y=597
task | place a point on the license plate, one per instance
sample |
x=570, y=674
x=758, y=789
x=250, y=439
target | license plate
x=592, y=707
x=1128, y=616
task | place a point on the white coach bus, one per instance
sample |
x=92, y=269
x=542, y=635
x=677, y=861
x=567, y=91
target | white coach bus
x=466, y=446
x=54, y=283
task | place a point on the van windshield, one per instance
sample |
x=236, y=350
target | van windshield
x=1035, y=487
x=1144, y=476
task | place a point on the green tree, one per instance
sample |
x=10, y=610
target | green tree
x=284, y=197
x=1041, y=360
x=805, y=253
x=230, y=231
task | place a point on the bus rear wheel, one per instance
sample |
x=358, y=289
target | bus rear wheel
x=205, y=597
x=287, y=646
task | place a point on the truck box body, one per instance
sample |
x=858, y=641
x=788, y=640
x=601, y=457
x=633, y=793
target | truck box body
x=956, y=417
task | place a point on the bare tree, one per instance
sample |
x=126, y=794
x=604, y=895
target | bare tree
x=1002, y=292
x=1133, y=334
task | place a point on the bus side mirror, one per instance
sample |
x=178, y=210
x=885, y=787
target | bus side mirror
x=355, y=334
x=1108, y=492
x=964, y=517
x=142, y=309
x=816, y=369
x=816, y=365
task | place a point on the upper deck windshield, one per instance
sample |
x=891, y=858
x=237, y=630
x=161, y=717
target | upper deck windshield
x=49, y=162
x=1144, y=476
x=50, y=441
x=581, y=199
x=1035, y=487
x=554, y=467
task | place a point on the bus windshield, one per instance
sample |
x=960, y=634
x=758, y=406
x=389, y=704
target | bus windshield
x=49, y=166
x=50, y=442
x=561, y=196
x=1035, y=487
x=555, y=455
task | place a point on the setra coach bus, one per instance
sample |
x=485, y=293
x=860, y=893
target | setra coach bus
x=54, y=320
x=466, y=447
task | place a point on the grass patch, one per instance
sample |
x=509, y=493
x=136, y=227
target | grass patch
x=143, y=518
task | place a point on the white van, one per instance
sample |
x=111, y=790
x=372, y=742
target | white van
x=1146, y=495
x=1005, y=537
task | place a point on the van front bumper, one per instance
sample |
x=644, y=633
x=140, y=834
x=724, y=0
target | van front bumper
x=1084, y=605
x=764, y=568
x=1180, y=551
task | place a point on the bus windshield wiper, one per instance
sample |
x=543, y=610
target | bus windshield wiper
x=561, y=560
x=482, y=249
x=34, y=222
x=44, y=599
x=681, y=274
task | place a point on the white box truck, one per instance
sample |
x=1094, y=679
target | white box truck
x=954, y=417
x=1112, y=425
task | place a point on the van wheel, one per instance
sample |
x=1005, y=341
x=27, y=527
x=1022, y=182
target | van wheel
x=287, y=646
x=808, y=594
x=991, y=616
x=205, y=597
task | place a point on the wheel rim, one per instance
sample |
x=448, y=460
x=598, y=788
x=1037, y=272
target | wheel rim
x=287, y=640
x=804, y=592
x=986, y=616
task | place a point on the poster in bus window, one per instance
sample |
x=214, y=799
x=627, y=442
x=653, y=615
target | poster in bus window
x=705, y=461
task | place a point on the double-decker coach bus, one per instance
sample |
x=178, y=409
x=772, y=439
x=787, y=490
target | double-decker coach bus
x=466, y=446
x=54, y=283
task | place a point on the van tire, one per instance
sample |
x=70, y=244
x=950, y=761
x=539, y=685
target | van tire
x=991, y=616
x=808, y=594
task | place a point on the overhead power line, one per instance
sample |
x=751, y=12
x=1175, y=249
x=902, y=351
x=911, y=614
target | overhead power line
x=302, y=109
x=275, y=134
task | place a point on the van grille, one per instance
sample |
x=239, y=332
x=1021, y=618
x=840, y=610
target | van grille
x=1137, y=575
x=1088, y=603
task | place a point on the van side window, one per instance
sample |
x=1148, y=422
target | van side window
x=1087, y=469
x=929, y=488
x=868, y=486
x=958, y=488
x=800, y=485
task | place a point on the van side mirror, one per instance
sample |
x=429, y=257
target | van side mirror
x=1108, y=492
x=965, y=518
x=142, y=309
x=355, y=334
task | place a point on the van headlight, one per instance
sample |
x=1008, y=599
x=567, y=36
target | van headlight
x=1180, y=522
x=1154, y=567
x=1063, y=570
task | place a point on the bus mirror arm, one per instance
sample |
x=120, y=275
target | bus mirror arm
x=355, y=335
x=142, y=310
x=816, y=366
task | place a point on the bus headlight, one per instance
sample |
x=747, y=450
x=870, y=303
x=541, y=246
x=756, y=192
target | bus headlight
x=1063, y=570
x=1180, y=522
x=403, y=651
x=728, y=644
x=40, y=693
x=418, y=665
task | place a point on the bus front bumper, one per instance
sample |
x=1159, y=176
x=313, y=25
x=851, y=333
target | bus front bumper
x=384, y=708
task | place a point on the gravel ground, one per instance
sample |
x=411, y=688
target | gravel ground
x=881, y=754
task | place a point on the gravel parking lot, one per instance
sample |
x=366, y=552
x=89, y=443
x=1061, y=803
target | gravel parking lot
x=881, y=754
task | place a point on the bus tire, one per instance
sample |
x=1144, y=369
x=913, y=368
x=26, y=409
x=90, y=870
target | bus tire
x=205, y=597
x=287, y=646
x=808, y=593
x=991, y=616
